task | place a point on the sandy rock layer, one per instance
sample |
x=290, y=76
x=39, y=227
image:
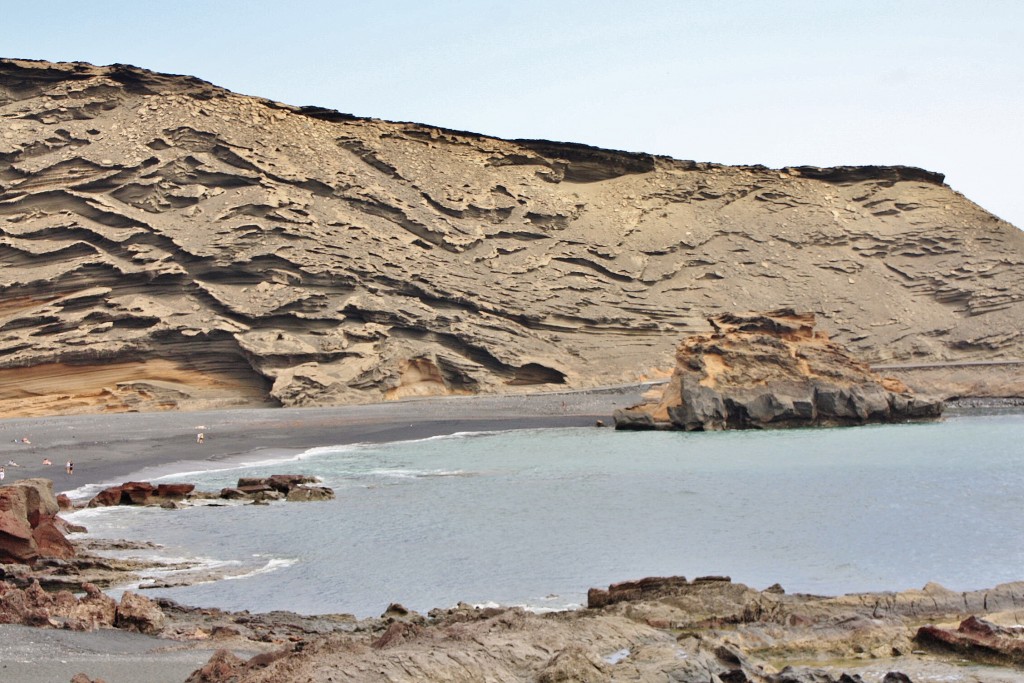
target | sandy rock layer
x=166, y=243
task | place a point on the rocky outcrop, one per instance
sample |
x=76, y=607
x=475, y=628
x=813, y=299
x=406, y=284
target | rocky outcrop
x=141, y=493
x=657, y=629
x=29, y=527
x=33, y=606
x=138, y=613
x=772, y=370
x=165, y=243
x=978, y=640
x=293, y=487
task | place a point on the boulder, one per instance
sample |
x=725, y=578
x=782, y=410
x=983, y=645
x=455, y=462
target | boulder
x=174, y=491
x=768, y=370
x=33, y=606
x=106, y=497
x=139, y=613
x=141, y=493
x=29, y=526
x=137, y=492
x=310, y=494
x=286, y=482
x=978, y=640
x=84, y=678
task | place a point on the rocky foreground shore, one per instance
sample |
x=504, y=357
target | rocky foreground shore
x=654, y=629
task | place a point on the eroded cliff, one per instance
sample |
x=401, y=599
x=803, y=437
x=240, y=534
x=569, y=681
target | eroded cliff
x=167, y=243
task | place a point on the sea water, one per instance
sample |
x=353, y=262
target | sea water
x=536, y=517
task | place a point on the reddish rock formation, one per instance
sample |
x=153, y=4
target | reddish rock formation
x=275, y=487
x=978, y=640
x=34, y=606
x=772, y=370
x=29, y=526
x=137, y=613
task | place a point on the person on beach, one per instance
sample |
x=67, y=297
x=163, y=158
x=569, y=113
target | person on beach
x=2, y=474
x=200, y=437
x=46, y=461
x=70, y=467
x=11, y=463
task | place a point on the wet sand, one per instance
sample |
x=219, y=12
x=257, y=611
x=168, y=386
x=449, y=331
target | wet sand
x=110, y=449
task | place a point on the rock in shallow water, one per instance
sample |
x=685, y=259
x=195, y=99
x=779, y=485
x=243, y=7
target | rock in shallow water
x=772, y=370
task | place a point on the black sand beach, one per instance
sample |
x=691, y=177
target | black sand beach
x=111, y=448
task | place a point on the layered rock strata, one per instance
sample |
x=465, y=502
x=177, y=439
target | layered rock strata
x=772, y=370
x=653, y=629
x=30, y=529
x=166, y=243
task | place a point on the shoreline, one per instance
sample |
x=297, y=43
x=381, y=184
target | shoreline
x=108, y=449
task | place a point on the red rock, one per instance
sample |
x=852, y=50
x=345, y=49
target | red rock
x=29, y=528
x=977, y=640
x=222, y=667
x=138, y=613
x=106, y=497
x=174, y=491
x=50, y=541
x=137, y=492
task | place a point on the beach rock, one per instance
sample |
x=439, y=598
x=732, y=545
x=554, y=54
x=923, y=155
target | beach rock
x=94, y=610
x=896, y=677
x=84, y=678
x=29, y=526
x=374, y=260
x=231, y=493
x=137, y=492
x=172, y=492
x=108, y=496
x=33, y=606
x=649, y=587
x=138, y=613
x=222, y=667
x=574, y=663
x=978, y=640
x=286, y=482
x=310, y=494
x=772, y=370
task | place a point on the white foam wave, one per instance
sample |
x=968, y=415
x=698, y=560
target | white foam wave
x=533, y=607
x=399, y=473
x=272, y=565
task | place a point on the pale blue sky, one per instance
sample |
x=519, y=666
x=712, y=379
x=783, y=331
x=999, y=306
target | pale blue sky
x=931, y=83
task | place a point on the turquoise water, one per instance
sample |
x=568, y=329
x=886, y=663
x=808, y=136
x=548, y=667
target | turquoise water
x=537, y=517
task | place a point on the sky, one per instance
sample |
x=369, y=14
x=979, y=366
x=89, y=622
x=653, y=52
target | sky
x=932, y=83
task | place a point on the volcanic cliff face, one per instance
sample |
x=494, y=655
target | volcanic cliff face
x=167, y=243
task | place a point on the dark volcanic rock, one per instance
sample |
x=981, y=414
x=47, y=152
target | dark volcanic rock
x=772, y=370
